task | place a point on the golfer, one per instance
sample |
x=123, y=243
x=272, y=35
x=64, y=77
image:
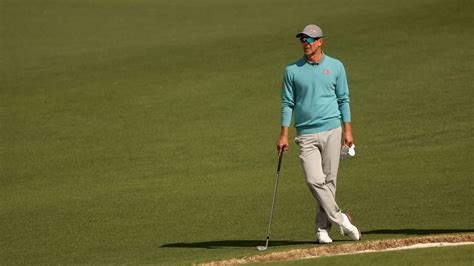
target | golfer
x=315, y=92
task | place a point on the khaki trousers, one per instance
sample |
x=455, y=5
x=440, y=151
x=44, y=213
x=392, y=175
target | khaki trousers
x=319, y=155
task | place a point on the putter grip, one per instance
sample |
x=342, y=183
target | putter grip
x=279, y=160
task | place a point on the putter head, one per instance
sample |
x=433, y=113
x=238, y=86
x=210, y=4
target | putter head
x=261, y=248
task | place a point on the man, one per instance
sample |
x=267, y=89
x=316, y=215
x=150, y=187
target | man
x=316, y=93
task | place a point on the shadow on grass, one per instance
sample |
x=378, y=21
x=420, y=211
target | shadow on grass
x=235, y=244
x=275, y=243
x=416, y=231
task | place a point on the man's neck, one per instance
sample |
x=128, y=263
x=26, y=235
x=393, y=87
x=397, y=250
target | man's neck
x=315, y=58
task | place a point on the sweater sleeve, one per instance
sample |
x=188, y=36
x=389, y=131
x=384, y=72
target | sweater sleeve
x=287, y=99
x=342, y=94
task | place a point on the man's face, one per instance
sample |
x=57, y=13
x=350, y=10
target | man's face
x=310, y=45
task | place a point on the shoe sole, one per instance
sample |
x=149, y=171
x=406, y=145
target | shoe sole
x=350, y=220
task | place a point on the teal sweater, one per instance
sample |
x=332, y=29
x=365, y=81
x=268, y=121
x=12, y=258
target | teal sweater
x=316, y=94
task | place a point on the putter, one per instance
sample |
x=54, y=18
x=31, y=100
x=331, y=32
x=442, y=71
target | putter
x=263, y=248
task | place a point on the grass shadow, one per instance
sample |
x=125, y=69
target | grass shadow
x=235, y=244
x=416, y=231
x=276, y=243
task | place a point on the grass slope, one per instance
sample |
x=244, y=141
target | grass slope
x=143, y=131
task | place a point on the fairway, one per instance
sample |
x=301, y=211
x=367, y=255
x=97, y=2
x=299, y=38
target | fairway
x=143, y=132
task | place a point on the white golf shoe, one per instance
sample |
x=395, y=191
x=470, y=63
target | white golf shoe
x=322, y=237
x=348, y=229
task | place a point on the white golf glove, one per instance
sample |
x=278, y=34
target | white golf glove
x=347, y=152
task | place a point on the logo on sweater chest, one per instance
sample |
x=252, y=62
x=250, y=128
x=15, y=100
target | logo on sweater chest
x=326, y=71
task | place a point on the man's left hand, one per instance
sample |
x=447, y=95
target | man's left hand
x=348, y=134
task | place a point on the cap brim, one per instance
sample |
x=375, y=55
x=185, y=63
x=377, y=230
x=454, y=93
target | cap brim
x=304, y=34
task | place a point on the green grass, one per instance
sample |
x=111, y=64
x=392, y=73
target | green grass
x=143, y=131
x=462, y=255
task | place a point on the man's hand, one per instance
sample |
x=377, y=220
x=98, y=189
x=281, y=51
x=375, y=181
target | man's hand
x=348, y=134
x=282, y=142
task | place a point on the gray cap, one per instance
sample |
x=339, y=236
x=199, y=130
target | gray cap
x=311, y=30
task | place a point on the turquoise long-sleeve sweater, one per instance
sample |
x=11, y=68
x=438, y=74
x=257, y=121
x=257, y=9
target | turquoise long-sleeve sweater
x=317, y=95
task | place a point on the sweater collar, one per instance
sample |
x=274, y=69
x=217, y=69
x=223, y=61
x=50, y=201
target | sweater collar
x=318, y=63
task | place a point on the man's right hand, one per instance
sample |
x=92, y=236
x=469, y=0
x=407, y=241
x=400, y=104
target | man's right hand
x=282, y=142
